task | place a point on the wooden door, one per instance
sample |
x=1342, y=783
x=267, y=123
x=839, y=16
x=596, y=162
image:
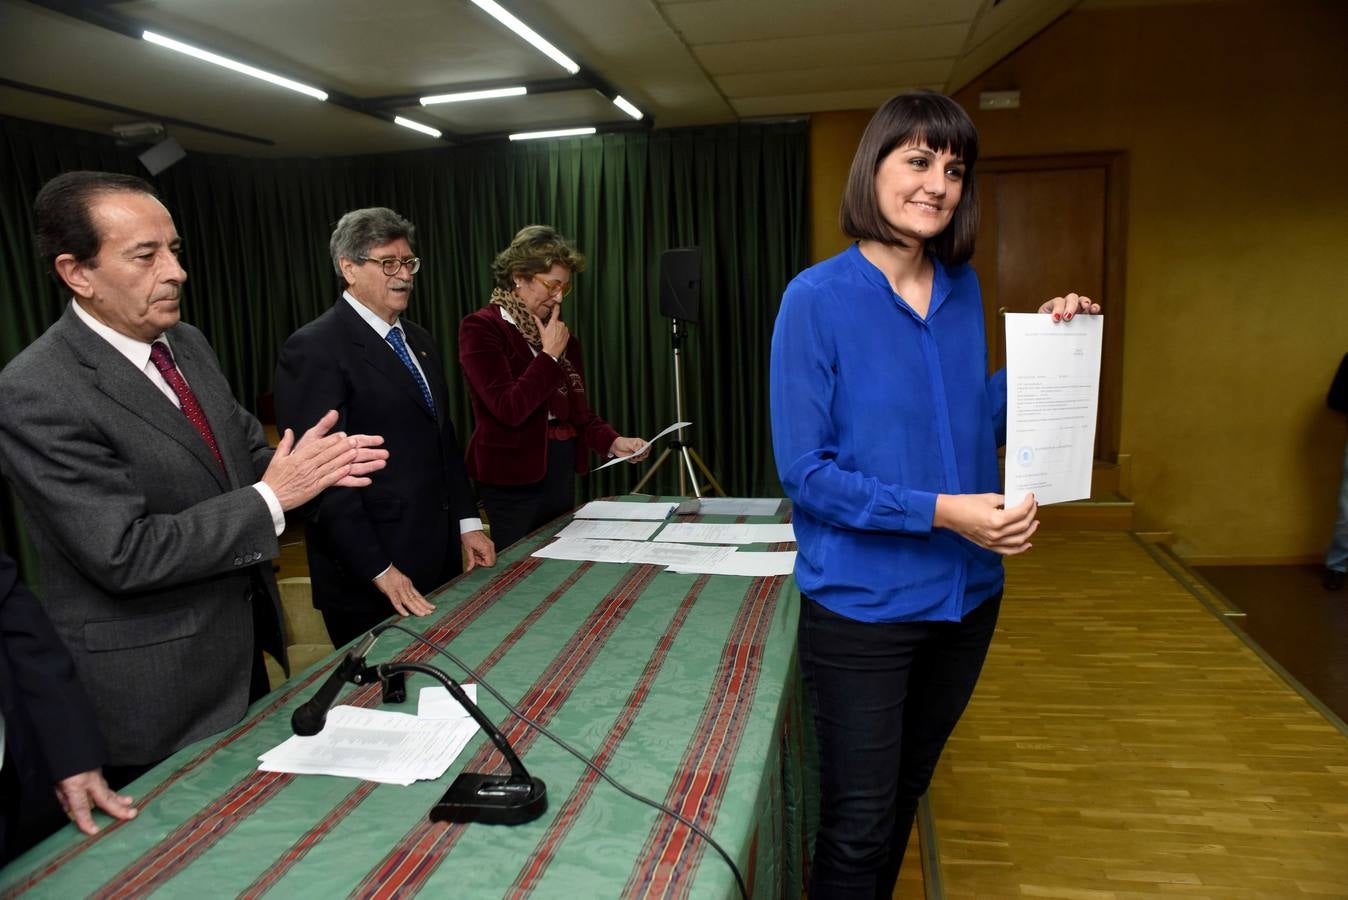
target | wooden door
x=1051, y=225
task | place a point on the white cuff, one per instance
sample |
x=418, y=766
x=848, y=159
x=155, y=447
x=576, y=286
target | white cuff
x=467, y=525
x=278, y=515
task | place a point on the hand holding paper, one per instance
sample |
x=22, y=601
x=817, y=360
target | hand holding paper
x=981, y=519
x=643, y=448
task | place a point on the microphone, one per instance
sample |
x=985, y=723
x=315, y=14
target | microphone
x=310, y=716
x=475, y=796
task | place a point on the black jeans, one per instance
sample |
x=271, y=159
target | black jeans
x=886, y=697
x=514, y=510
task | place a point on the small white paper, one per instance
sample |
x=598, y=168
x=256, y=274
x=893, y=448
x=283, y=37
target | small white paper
x=740, y=506
x=617, y=509
x=632, y=552
x=587, y=549
x=609, y=529
x=679, y=554
x=700, y=533
x=617, y=459
x=436, y=702
x=1052, y=386
x=374, y=745
x=753, y=565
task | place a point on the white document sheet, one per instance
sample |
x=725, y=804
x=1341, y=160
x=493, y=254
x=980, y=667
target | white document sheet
x=1052, y=386
x=591, y=549
x=679, y=554
x=617, y=459
x=739, y=506
x=617, y=509
x=609, y=529
x=753, y=565
x=436, y=702
x=374, y=745
x=632, y=552
x=698, y=533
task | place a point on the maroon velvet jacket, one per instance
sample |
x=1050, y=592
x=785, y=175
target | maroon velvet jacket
x=512, y=391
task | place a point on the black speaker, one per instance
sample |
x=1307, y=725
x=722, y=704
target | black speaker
x=680, y=283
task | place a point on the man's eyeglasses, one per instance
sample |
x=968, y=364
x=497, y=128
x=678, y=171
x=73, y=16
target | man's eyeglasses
x=551, y=286
x=392, y=265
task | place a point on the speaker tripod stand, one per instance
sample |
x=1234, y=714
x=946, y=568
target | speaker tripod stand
x=683, y=448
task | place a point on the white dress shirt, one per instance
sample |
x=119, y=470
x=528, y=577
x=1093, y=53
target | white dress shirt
x=137, y=353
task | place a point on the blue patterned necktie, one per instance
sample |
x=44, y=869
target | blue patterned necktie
x=395, y=340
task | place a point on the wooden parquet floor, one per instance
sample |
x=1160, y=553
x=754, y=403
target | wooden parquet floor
x=1124, y=743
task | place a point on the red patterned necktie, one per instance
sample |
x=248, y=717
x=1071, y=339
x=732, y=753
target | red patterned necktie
x=163, y=361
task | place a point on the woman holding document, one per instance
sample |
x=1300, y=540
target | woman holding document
x=885, y=429
x=527, y=387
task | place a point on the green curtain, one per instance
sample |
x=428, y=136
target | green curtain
x=255, y=235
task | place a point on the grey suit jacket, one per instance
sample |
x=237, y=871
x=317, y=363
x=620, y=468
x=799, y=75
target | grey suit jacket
x=151, y=557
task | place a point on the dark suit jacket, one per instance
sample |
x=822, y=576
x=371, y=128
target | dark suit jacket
x=409, y=516
x=151, y=557
x=512, y=390
x=51, y=731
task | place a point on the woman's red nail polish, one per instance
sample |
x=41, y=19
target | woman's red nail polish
x=1068, y=317
x=1055, y=317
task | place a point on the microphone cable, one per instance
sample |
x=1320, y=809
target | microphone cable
x=739, y=879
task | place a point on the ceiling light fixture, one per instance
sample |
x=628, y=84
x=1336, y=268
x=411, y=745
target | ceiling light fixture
x=234, y=65
x=465, y=96
x=559, y=132
x=626, y=106
x=500, y=14
x=415, y=126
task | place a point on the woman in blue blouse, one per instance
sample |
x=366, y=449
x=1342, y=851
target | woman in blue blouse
x=885, y=428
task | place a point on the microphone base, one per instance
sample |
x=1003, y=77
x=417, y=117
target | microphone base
x=491, y=800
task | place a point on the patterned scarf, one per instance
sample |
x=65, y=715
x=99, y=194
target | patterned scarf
x=528, y=329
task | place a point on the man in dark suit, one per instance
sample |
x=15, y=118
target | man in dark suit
x=152, y=497
x=377, y=552
x=47, y=729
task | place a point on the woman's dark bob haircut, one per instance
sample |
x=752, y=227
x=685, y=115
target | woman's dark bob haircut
x=938, y=122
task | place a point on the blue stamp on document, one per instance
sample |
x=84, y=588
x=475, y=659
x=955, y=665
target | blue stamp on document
x=1025, y=455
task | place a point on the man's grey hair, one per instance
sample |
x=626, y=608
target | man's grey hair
x=361, y=229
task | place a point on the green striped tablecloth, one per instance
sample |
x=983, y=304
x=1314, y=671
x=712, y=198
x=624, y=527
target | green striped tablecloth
x=684, y=687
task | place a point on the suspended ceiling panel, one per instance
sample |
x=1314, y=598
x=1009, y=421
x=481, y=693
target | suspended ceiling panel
x=682, y=62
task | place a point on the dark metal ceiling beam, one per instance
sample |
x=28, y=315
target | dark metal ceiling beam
x=131, y=111
x=100, y=15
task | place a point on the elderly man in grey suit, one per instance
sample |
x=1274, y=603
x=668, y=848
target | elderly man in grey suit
x=153, y=498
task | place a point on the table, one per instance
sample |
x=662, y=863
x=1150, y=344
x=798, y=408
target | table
x=686, y=688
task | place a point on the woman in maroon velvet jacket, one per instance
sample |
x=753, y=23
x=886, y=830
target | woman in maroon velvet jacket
x=527, y=384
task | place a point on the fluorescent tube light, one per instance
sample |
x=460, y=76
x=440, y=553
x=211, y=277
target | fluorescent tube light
x=559, y=132
x=500, y=14
x=415, y=126
x=626, y=106
x=464, y=96
x=235, y=65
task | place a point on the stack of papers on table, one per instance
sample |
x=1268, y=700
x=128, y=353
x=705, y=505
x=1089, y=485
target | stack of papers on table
x=375, y=745
x=677, y=557
x=608, y=529
x=698, y=533
x=739, y=506
x=616, y=509
x=618, y=532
